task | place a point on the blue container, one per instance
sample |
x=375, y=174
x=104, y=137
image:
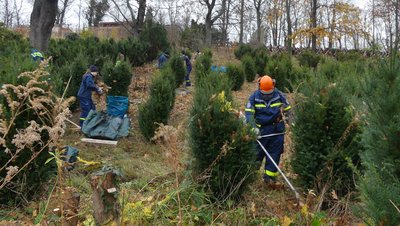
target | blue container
x=117, y=105
x=221, y=69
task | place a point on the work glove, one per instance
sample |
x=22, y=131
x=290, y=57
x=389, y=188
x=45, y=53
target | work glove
x=100, y=90
x=256, y=131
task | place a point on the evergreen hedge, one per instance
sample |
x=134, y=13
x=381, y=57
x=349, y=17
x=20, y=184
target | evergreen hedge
x=243, y=50
x=159, y=105
x=308, y=59
x=221, y=144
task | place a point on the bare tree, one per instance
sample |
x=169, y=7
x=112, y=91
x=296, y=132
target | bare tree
x=62, y=11
x=313, y=24
x=210, y=19
x=225, y=21
x=7, y=17
x=42, y=21
x=17, y=11
x=241, y=21
x=289, y=27
x=96, y=11
x=257, y=6
x=133, y=21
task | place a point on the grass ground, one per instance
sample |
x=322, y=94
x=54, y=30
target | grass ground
x=148, y=183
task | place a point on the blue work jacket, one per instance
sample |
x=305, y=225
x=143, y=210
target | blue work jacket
x=264, y=111
x=162, y=60
x=87, y=86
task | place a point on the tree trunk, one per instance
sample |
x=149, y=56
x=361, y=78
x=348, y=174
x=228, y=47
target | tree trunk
x=61, y=15
x=396, y=44
x=140, y=17
x=210, y=20
x=373, y=22
x=314, y=25
x=333, y=26
x=42, y=21
x=241, y=22
x=289, y=28
x=257, y=6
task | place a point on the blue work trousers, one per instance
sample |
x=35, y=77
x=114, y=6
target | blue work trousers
x=187, y=77
x=86, y=106
x=274, y=147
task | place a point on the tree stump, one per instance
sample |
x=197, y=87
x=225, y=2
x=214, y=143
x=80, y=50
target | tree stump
x=105, y=203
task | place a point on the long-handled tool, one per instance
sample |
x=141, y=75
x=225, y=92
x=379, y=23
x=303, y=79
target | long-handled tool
x=280, y=171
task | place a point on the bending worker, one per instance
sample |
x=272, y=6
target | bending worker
x=85, y=92
x=188, y=68
x=264, y=111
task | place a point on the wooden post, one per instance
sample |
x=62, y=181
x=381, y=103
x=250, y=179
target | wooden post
x=104, y=197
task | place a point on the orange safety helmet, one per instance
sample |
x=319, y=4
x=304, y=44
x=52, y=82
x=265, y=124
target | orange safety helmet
x=266, y=84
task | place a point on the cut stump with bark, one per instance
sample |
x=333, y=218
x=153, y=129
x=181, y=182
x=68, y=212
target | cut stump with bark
x=105, y=203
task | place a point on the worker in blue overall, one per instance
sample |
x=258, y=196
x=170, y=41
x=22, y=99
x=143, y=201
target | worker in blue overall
x=188, y=68
x=36, y=55
x=85, y=92
x=162, y=60
x=264, y=112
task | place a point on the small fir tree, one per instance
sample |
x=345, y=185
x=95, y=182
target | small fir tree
x=235, y=73
x=118, y=77
x=203, y=65
x=261, y=59
x=325, y=138
x=222, y=145
x=158, y=107
x=178, y=69
x=280, y=68
x=249, y=68
x=380, y=184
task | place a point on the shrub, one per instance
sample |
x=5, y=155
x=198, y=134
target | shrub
x=158, y=107
x=249, y=68
x=178, y=69
x=207, y=52
x=348, y=56
x=155, y=35
x=135, y=50
x=203, y=66
x=281, y=69
x=235, y=73
x=261, y=58
x=32, y=120
x=242, y=50
x=76, y=69
x=220, y=142
x=118, y=77
x=309, y=59
x=325, y=138
x=379, y=186
x=330, y=69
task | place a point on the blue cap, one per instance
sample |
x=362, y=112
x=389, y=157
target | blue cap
x=93, y=68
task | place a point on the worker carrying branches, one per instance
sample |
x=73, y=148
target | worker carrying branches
x=264, y=111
